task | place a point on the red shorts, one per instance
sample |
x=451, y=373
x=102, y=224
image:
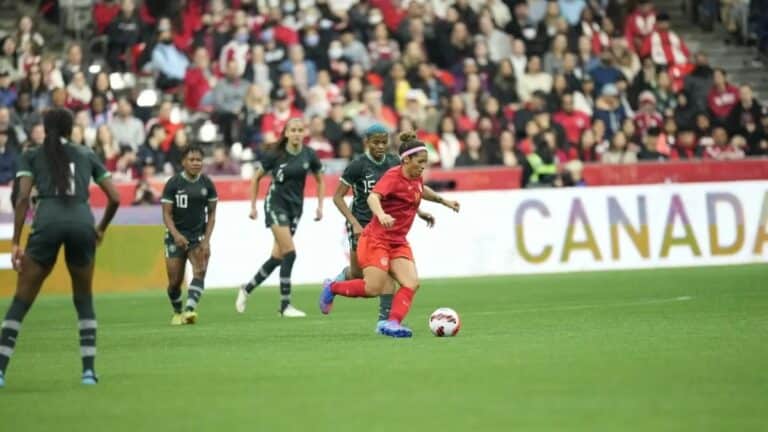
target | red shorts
x=372, y=252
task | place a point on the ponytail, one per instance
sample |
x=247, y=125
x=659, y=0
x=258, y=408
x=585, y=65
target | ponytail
x=58, y=125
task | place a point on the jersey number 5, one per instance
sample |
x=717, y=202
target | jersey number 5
x=181, y=201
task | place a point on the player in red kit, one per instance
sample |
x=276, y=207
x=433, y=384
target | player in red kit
x=383, y=250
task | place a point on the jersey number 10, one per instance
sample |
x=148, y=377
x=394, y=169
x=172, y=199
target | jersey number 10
x=181, y=201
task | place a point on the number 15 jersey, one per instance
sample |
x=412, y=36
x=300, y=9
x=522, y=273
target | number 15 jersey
x=361, y=175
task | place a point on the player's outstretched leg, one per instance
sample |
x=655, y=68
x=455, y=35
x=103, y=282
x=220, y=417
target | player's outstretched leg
x=286, y=267
x=404, y=271
x=265, y=270
x=174, y=266
x=9, y=333
x=199, y=260
x=82, y=297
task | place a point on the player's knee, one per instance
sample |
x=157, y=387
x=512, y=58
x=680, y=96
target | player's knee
x=289, y=256
x=199, y=274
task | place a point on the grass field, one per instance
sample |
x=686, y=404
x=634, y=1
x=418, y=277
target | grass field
x=661, y=350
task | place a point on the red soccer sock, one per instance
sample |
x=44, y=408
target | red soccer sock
x=350, y=288
x=401, y=304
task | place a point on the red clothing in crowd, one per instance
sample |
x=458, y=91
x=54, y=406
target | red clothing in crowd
x=574, y=123
x=103, y=14
x=666, y=48
x=638, y=27
x=195, y=87
x=721, y=103
x=275, y=122
x=645, y=121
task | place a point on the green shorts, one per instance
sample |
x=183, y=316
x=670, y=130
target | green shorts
x=173, y=251
x=282, y=218
x=79, y=240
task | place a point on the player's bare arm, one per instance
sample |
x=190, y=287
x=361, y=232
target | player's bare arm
x=338, y=200
x=374, y=202
x=431, y=195
x=320, y=179
x=255, y=191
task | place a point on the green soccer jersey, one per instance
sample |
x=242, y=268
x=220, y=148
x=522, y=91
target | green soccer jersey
x=361, y=175
x=84, y=165
x=289, y=173
x=190, y=200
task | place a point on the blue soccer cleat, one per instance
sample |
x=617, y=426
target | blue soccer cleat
x=395, y=329
x=2, y=380
x=379, y=325
x=326, y=297
x=89, y=378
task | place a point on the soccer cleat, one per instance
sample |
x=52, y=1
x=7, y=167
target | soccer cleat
x=292, y=312
x=89, y=378
x=177, y=319
x=242, y=299
x=379, y=325
x=395, y=330
x=326, y=297
x=190, y=317
x=2, y=380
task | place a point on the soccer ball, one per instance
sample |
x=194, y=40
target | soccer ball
x=444, y=322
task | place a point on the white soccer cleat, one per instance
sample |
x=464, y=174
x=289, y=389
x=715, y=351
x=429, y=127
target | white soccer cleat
x=242, y=299
x=292, y=312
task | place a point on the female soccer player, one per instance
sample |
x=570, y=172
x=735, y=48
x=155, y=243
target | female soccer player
x=61, y=171
x=189, y=214
x=361, y=176
x=288, y=166
x=383, y=250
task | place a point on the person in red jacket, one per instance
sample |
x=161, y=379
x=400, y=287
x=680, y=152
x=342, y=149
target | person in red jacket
x=723, y=96
x=573, y=122
x=647, y=115
x=283, y=111
x=640, y=24
x=664, y=46
x=198, y=81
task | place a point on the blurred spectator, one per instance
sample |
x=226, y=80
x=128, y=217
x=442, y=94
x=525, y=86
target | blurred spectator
x=748, y=110
x=180, y=141
x=664, y=46
x=228, y=98
x=78, y=92
x=650, y=151
x=7, y=92
x=542, y=162
x=74, y=63
x=144, y=195
x=34, y=85
x=8, y=57
x=499, y=43
x=318, y=141
x=123, y=32
x=127, y=129
x=619, y=151
x=282, y=111
x=509, y=156
x=7, y=160
x=647, y=116
x=78, y=135
x=587, y=147
x=573, y=122
x=721, y=148
x=257, y=70
x=640, y=24
x=303, y=71
x=531, y=31
x=165, y=119
x=605, y=73
x=449, y=144
x=722, y=97
x=383, y=50
x=698, y=83
x=150, y=154
x=533, y=80
x=221, y=164
x=235, y=50
x=198, y=81
x=608, y=108
x=473, y=154
x=106, y=148
x=665, y=94
x=354, y=50
x=555, y=57
x=686, y=147
x=13, y=140
x=170, y=63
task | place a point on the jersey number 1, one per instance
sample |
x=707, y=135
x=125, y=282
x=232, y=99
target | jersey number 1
x=71, y=188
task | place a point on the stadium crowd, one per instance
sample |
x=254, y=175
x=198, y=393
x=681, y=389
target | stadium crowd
x=538, y=84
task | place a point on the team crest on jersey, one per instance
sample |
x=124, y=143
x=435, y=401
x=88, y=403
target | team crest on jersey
x=282, y=218
x=204, y=191
x=171, y=248
x=305, y=165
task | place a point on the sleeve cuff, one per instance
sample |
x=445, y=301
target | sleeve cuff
x=106, y=175
x=345, y=181
x=24, y=174
x=166, y=200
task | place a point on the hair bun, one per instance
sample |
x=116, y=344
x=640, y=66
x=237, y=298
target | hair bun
x=407, y=136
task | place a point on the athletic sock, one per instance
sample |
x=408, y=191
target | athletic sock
x=9, y=332
x=174, y=295
x=401, y=304
x=385, y=305
x=286, y=267
x=341, y=277
x=266, y=269
x=87, y=327
x=194, y=292
x=350, y=288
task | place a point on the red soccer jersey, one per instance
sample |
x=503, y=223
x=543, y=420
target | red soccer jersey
x=400, y=198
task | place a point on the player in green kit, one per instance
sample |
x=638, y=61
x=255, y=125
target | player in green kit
x=361, y=176
x=61, y=171
x=288, y=166
x=189, y=213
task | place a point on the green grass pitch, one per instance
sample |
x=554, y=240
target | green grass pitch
x=653, y=350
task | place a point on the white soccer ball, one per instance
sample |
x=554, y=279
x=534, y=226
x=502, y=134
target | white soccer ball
x=444, y=322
